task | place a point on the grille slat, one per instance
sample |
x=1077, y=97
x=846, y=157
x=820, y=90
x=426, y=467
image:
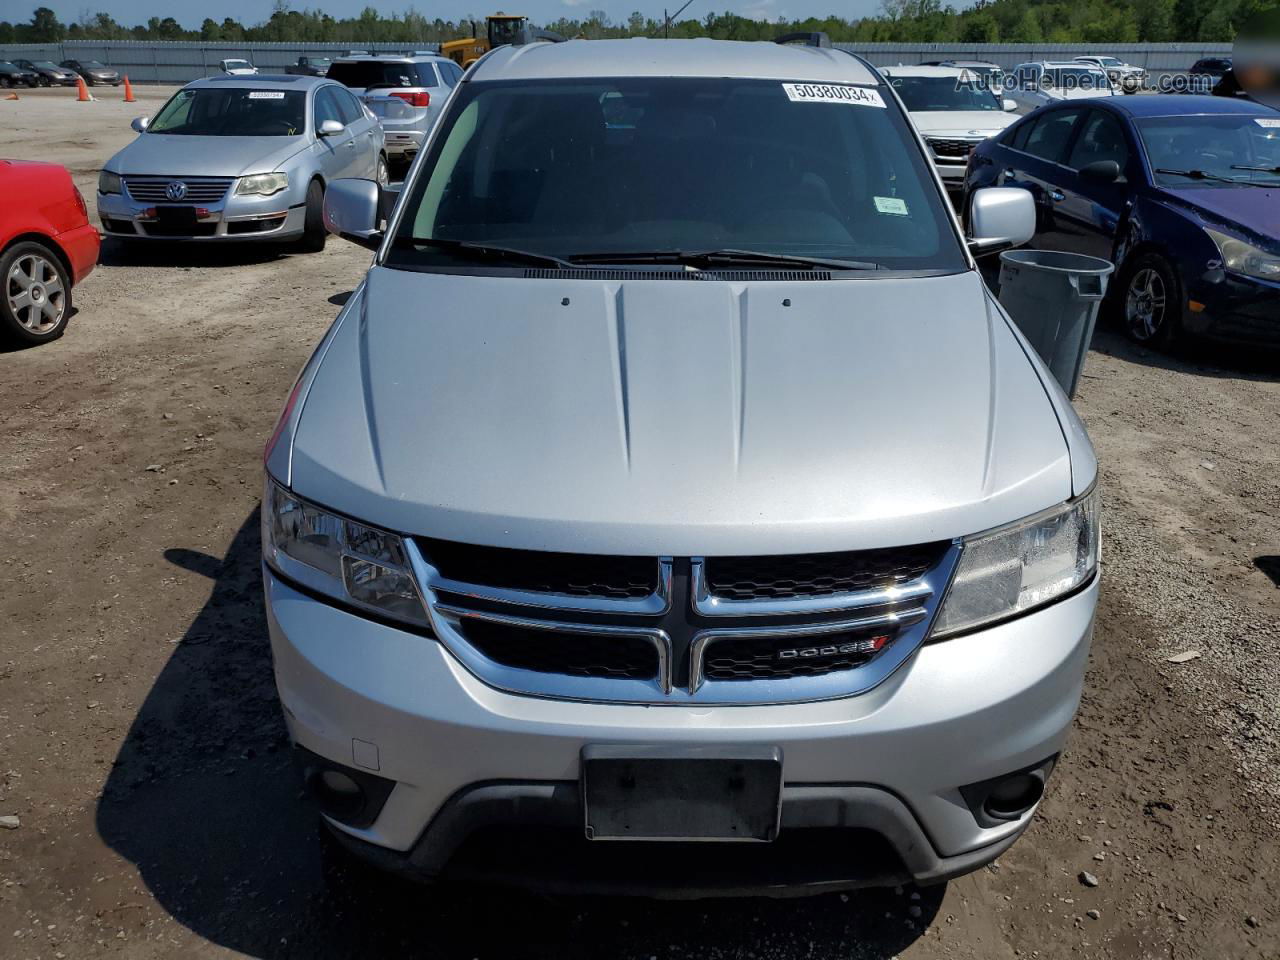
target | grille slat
x=565, y=574
x=818, y=574
x=576, y=655
x=199, y=189
x=780, y=658
x=955, y=148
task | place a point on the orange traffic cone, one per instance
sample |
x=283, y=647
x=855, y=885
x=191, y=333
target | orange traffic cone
x=13, y=96
x=128, y=91
x=85, y=96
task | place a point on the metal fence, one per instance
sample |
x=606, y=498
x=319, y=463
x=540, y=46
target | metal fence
x=176, y=62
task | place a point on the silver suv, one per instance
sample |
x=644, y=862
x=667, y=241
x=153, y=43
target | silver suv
x=673, y=476
x=405, y=93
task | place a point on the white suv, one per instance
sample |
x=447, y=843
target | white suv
x=954, y=110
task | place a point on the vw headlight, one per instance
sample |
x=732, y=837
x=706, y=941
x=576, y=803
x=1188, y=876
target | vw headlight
x=108, y=182
x=1241, y=257
x=351, y=562
x=262, y=184
x=1025, y=565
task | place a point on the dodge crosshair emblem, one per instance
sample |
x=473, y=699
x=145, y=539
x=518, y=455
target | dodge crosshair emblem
x=176, y=190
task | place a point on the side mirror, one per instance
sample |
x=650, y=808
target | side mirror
x=351, y=211
x=1000, y=218
x=331, y=128
x=1101, y=171
x=1009, y=105
x=140, y=124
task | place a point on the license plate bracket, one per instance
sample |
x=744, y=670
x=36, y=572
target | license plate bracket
x=724, y=794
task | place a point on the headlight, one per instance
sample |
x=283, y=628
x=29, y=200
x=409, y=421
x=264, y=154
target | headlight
x=263, y=184
x=1025, y=565
x=1241, y=257
x=353, y=563
x=108, y=182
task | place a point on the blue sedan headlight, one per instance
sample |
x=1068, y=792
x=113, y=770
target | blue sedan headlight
x=1238, y=256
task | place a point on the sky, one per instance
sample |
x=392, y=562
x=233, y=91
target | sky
x=190, y=13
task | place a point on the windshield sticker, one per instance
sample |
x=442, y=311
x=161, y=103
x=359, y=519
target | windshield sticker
x=832, y=93
x=1267, y=121
x=266, y=94
x=891, y=205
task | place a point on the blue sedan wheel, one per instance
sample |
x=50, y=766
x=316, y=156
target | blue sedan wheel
x=1151, y=302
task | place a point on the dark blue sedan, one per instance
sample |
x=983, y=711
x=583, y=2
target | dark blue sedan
x=1182, y=193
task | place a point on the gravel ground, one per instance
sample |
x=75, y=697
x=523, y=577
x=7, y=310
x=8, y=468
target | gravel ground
x=143, y=756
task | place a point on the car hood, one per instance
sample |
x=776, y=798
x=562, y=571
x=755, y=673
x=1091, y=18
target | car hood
x=678, y=417
x=1251, y=209
x=163, y=154
x=961, y=123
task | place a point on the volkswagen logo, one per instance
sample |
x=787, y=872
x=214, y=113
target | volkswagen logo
x=176, y=190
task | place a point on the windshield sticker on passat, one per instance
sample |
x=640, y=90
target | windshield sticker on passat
x=892, y=205
x=1267, y=121
x=266, y=94
x=832, y=93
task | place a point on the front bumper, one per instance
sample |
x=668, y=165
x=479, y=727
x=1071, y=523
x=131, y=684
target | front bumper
x=1237, y=309
x=887, y=765
x=231, y=219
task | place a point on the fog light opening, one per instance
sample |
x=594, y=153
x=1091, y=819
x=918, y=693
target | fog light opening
x=339, y=796
x=1012, y=797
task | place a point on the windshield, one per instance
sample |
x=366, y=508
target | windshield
x=235, y=64
x=7, y=65
x=44, y=64
x=594, y=168
x=1075, y=78
x=1219, y=146
x=92, y=65
x=363, y=74
x=921, y=94
x=232, y=112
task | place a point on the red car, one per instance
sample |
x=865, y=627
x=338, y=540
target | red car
x=46, y=247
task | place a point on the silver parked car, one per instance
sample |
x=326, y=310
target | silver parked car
x=235, y=158
x=405, y=93
x=673, y=476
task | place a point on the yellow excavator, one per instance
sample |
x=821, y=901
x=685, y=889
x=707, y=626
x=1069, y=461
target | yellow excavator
x=500, y=30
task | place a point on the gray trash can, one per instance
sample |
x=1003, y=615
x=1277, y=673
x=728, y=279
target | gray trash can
x=1053, y=298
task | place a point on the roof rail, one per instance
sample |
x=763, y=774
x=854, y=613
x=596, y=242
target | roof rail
x=815, y=39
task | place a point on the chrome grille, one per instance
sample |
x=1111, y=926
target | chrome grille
x=955, y=148
x=682, y=630
x=199, y=189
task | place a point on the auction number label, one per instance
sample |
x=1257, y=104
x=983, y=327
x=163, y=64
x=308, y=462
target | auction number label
x=832, y=93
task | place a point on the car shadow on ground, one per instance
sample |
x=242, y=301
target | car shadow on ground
x=204, y=800
x=158, y=253
x=1196, y=357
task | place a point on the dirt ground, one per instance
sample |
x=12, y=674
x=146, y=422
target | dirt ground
x=142, y=750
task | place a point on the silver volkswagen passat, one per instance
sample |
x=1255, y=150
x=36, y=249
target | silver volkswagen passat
x=237, y=158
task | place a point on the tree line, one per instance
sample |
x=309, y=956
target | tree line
x=907, y=21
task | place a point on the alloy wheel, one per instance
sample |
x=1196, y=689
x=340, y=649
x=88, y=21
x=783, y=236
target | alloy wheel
x=36, y=297
x=1144, y=305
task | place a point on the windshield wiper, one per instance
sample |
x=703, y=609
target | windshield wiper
x=1202, y=175
x=482, y=251
x=718, y=258
x=1245, y=166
